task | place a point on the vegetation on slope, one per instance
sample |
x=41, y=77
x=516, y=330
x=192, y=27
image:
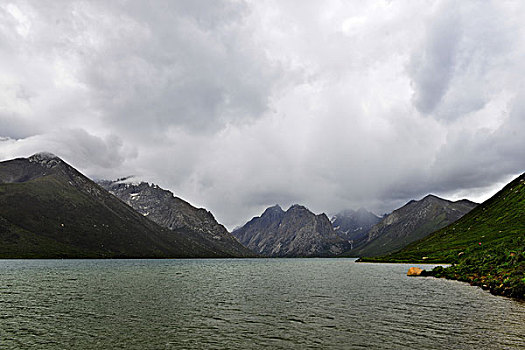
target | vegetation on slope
x=486, y=247
x=50, y=210
x=411, y=222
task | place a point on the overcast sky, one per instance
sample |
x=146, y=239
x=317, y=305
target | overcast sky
x=239, y=105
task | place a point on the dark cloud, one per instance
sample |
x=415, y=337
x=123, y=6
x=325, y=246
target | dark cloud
x=101, y=155
x=432, y=66
x=15, y=126
x=238, y=105
x=179, y=65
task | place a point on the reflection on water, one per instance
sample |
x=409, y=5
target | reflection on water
x=246, y=303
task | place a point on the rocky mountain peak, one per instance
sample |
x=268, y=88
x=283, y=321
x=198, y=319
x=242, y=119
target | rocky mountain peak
x=167, y=210
x=40, y=165
x=466, y=202
x=296, y=232
x=276, y=209
x=47, y=159
x=431, y=197
x=297, y=207
x=413, y=221
x=43, y=156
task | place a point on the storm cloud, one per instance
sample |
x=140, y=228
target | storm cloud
x=238, y=105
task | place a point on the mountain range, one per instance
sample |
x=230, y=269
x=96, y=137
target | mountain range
x=50, y=210
x=411, y=222
x=296, y=232
x=174, y=213
x=486, y=247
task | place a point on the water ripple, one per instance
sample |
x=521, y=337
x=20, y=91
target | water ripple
x=246, y=304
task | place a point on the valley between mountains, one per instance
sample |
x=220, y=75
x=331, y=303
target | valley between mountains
x=48, y=209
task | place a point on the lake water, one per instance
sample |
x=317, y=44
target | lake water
x=246, y=304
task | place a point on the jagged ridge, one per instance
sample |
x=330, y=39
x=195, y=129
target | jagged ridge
x=413, y=221
x=486, y=246
x=295, y=233
x=49, y=210
x=167, y=210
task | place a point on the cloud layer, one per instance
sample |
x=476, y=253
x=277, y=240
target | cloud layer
x=237, y=105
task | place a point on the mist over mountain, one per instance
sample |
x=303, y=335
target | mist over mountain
x=411, y=222
x=353, y=225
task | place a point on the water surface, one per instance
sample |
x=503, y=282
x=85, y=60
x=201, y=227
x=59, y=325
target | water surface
x=246, y=304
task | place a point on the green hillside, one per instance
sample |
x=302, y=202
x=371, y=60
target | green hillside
x=486, y=246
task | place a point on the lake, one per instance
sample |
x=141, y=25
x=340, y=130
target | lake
x=246, y=304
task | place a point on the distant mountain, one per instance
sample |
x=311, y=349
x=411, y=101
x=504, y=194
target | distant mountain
x=486, y=246
x=413, y=221
x=295, y=233
x=162, y=207
x=353, y=225
x=50, y=210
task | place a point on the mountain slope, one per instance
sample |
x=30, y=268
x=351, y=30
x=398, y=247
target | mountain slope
x=486, y=246
x=162, y=207
x=295, y=233
x=353, y=225
x=48, y=210
x=413, y=221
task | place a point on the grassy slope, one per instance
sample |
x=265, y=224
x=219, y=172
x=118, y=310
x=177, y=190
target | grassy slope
x=437, y=213
x=47, y=218
x=390, y=243
x=20, y=243
x=498, y=263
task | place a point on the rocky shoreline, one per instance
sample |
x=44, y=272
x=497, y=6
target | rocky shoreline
x=500, y=284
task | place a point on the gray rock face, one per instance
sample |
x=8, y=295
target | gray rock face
x=413, y=221
x=295, y=233
x=353, y=225
x=162, y=207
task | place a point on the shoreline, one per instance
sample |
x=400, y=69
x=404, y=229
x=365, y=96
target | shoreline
x=496, y=285
x=405, y=262
x=493, y=291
